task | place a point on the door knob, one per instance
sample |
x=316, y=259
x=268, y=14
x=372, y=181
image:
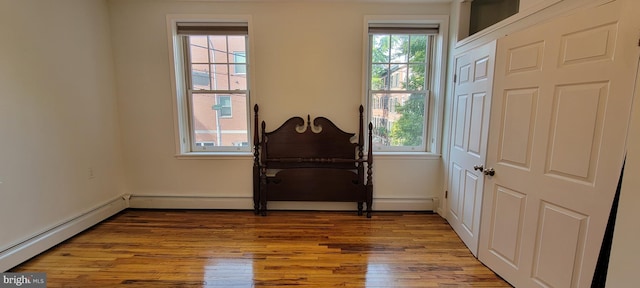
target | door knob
x=489, y=172
x=478, y=167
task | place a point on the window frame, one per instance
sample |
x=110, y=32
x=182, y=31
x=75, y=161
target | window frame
x=185, y=144
x=437, y=82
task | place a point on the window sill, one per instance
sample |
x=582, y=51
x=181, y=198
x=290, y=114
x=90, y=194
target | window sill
x=249, y=155
x=215, y=155
x=406, y=155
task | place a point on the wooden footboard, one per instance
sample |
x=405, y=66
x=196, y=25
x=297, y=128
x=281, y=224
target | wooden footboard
x=313, y=162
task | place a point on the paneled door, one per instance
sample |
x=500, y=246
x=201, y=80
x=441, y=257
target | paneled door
x=469, y=130
x=560, y=112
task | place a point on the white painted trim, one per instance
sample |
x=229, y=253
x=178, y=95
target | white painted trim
x=404, y=204
x=540, y=12
x=190, y=202
x=48, y=238
x=410, y=156
x=246, y=203
x=247, y=156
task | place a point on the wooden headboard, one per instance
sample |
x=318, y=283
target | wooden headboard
x=313, y=161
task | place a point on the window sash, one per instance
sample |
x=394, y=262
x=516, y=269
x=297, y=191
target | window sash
x=219, y=131
x=207, y=138
x=230, y=65
x=374, y=104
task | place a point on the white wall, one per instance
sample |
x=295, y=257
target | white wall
x=58, y=115
x=308, y=59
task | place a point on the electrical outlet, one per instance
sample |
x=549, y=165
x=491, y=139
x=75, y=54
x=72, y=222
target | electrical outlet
x=90, y=174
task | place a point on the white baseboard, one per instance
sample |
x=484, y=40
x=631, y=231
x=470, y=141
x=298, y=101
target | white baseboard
x=403, y=204
x=48, y=238
x=246, y=203
x=190, y=202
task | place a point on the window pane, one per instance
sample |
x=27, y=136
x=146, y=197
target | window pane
x=379, y=75
x=219, y=77
x=417, y=48
x=238, y=57
x=203, y=118
x=200, y=77
x=198, y=49
x=416, y=77
x=239, y=81
x=239, y=69
x=398, y=77
x=223, y=106
x=379, y=118
x=398, y=119
x=219, y=119
x=399, y=48
x=408, y=120
x=237, y=47
x=380, y=49
x=218, y=49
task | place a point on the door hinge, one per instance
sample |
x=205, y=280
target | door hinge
x=455, y=78
x=446, y=194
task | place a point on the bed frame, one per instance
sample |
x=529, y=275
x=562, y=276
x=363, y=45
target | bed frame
x=318, y=162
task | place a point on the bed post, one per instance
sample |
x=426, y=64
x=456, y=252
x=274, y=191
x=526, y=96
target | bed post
x=360, y=162
x=263, y=174
x=256, y=162
x=360, y=136
x=369, y=172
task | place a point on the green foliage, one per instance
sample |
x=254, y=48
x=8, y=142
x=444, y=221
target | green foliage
x=417, y=54
x=382, y=131
x=380, y=49
x=407, y=131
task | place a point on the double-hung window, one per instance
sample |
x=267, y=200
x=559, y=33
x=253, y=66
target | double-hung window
x=403, y=62
x=212, y=86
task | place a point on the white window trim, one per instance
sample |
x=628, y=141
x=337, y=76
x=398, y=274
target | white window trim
x=437, y=98
x=181, y=121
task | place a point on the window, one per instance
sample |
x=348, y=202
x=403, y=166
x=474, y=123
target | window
x=403, y=66
x=223, y=106
x=240, y=57
x=212, y=85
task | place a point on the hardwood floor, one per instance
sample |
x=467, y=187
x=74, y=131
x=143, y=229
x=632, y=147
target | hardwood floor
x=204, y=248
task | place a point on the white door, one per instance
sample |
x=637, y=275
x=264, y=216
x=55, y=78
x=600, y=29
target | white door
x=469, y=130
x=560, y=113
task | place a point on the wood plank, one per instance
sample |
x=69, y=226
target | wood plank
x=208, y=248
